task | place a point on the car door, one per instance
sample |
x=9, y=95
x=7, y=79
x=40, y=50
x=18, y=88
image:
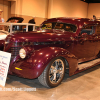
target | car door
x=84, y=45
x=97, y=40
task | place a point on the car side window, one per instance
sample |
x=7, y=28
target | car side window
x=59, y=26
x=89, y=30
x=66, y=27
x=70, y=28
x=19, y=28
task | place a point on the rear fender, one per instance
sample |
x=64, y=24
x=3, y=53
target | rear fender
x=42, y=57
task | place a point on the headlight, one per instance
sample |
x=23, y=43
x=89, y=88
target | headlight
x=22, y=53
x=6, y=42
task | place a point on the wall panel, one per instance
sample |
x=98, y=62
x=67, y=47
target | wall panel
x=67, y=8
x=94, y=9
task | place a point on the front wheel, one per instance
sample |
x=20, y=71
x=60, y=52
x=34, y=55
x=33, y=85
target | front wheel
x=53, y=74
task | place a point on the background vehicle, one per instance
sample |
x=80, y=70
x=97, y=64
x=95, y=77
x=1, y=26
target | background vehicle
x=11, y=28
x=15, y=19
x=60, y=44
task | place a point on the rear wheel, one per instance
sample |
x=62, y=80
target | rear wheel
x=53, y=74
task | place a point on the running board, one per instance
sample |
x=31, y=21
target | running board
x=88, y=64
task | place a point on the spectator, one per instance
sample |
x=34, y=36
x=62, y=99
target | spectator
x=94, y=17
x=1, y=19
x=32, y=21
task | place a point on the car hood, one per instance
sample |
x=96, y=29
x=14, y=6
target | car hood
x=37, y=37
x=20, y=19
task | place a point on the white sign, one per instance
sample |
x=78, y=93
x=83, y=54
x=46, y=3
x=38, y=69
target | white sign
x=4, y=66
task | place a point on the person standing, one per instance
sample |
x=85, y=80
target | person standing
x=1, y=19
x=32, y=21
x=94, y=17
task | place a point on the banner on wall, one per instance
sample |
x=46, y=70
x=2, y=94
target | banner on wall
x=4, y=66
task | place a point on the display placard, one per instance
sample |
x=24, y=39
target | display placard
x=4, y=66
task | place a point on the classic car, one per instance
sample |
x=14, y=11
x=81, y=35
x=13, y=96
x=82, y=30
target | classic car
x=59, y=45
x=11, y=28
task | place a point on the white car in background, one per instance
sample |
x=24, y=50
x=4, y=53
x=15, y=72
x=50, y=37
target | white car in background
x=10, y=28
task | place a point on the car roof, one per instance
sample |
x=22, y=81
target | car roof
x=73, y=20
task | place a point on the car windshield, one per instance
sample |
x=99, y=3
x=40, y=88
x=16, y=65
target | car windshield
x=48, y=26
x=62, y=26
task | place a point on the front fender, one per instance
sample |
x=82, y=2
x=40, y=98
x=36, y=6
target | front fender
x=41, y=58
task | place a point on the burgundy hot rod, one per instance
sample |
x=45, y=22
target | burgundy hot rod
x=60, y=44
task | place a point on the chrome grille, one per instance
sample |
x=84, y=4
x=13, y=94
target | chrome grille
x=14, y=52
x=16, y=46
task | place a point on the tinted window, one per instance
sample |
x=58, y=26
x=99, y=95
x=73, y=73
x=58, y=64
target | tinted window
x=59, y=26
x=48, y=26
x=70, y=28
x=88, y=29
x=66, y=27
x=54, y=25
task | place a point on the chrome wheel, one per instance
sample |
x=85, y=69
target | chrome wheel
x=53, y=73
x=56, y=71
